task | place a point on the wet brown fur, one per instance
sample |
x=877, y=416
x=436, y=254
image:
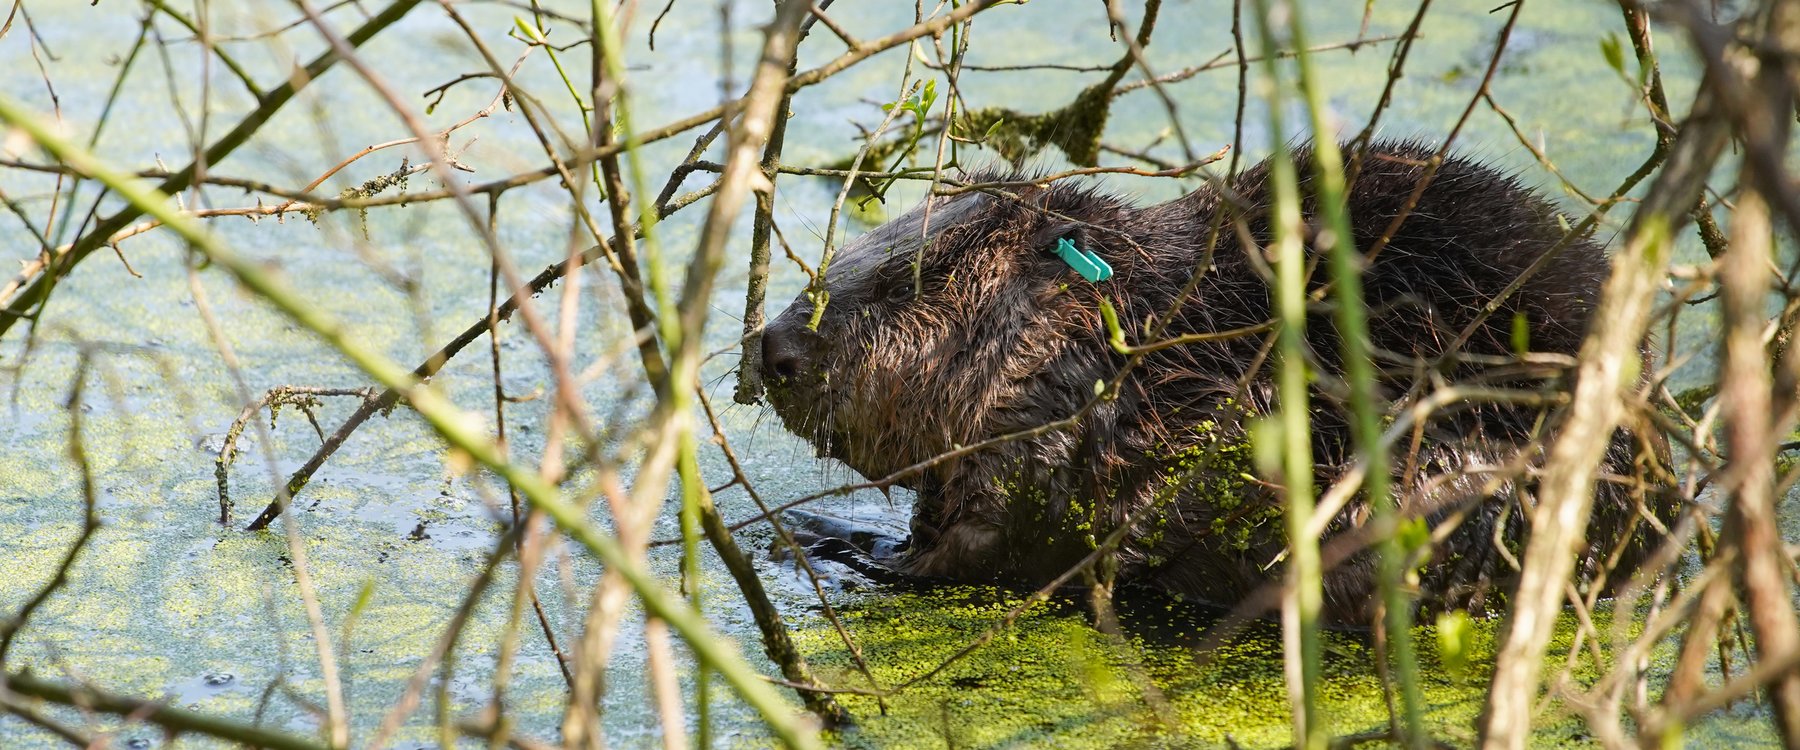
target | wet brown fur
x=1003, y=336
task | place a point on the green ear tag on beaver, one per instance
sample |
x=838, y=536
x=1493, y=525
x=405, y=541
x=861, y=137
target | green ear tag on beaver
x=1089, y=265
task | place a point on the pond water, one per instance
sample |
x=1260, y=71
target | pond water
x=166, y=603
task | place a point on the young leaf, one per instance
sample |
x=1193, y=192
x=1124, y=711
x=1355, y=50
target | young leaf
x=1614, y=52
x=1114, y=335
x=1455, y=636
x=1265, y=445
x=1414, y=536
x=531, y=32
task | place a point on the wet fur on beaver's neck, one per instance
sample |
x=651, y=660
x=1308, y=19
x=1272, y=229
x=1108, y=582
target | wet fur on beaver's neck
x=1005, y=337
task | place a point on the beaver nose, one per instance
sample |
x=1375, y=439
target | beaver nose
x=784, y=352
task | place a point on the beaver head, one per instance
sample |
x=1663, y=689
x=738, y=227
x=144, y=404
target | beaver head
x=938, y=327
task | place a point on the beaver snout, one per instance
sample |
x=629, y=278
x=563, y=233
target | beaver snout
x=784, y=349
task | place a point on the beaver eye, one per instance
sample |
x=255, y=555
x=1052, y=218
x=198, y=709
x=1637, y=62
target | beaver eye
x=901, y=292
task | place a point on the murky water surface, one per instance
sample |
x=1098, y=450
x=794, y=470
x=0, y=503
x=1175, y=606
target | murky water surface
x=166, y=603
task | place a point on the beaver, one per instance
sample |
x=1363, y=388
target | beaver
x=958, y=322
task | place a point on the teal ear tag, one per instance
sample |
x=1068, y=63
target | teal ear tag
x=1089, y=265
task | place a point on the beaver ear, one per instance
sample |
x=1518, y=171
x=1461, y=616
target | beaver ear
x=1046, y=238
